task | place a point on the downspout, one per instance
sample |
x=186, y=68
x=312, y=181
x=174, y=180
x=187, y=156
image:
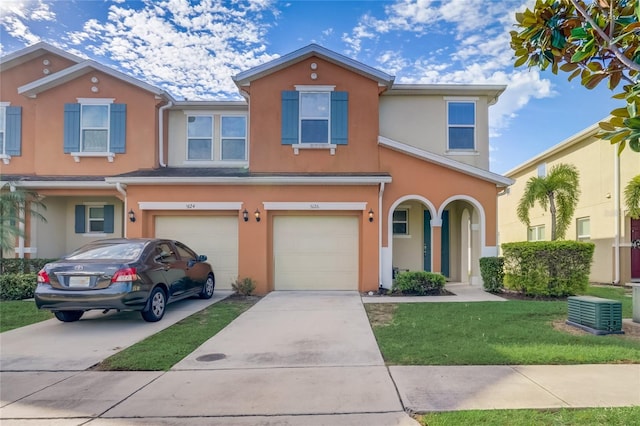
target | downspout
x=380, y=216
x=20, y=248
x=121, y=190
x=616, y=207
x=161, y=133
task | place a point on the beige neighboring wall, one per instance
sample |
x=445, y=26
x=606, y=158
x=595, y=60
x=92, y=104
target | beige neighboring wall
x=407, y=249
x=595, y=160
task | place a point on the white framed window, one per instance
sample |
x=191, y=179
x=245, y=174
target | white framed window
x=583, y=229
x=95, y=219
x=401, y=222
x=461, y=125
x=3, y=129
x=315, y=114
x=94, y=127
x=542, y=170
x=233, y=138
x=200, y=137
x=535, y=233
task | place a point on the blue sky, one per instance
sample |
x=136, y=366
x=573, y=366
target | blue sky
x=192, y=49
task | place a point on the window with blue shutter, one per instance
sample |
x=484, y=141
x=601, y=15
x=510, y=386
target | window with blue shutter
x=108, y=219
x=290, y=106
x=98, y=128
x=12, y=131
x=94, y=219
x=339, y=117
x=80, y=219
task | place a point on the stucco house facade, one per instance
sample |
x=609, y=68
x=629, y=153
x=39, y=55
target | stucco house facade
x=600, y=215
x=327, y=175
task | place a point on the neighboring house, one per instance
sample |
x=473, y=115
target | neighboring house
x=600, y=215
x=327, y=176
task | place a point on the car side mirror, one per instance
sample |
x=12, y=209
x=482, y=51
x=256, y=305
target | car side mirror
x=202, y=258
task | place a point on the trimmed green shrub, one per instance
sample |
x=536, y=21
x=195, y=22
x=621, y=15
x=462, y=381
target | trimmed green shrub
x=492, y=271
x=17, y=286
x=418, y=283
x=22, y=266
x=547, y=268
x=243, y=286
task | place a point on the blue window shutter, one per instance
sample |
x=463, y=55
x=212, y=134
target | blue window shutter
x=71, y=128
x=13, y=130
x=108, y=219
x=290, y=114
x=339, y=117
x=118, y=128
x=80, y=219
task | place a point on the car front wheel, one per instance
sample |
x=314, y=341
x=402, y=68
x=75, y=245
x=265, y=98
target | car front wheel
x=207, y=288
x=154, y=311
x=68, y=316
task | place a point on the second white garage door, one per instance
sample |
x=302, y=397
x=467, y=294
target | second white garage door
x=215, y=236
x=315, y=252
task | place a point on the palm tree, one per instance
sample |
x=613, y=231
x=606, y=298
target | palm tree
x=632, y=197
x=15, y=204
x=559, y=191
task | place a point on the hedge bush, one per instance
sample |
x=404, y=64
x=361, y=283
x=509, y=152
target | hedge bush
x=22, y=266
x=17, y=286
x=418, y=283
x=547, y=268
x=492, y=271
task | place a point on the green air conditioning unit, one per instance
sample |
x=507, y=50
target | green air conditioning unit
x=594, y=314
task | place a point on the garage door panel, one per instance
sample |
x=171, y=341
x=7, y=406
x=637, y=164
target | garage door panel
x=316, y=253
x=214, y=236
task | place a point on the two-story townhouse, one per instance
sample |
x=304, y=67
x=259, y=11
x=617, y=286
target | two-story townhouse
x=600, y=216
x=71, y=122
x=327, y=176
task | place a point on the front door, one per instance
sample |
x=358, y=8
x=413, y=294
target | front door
x=426, y=242
x=635, y=250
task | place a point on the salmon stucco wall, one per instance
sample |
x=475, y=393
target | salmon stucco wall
x=256, y=238
x=267, y=153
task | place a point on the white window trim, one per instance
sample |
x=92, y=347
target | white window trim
x=6, y=159
x=583, y=237
x=393, y=222
x=87, y=208
x=537, y=228
x=463, y=151
x=541, y=170
x=314, y=88
x=246, y=131
x=213, y=138
x=320, y=145
x=110, y=155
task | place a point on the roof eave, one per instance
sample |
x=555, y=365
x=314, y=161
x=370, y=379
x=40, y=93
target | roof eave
x=253, y=180
x=34, y=51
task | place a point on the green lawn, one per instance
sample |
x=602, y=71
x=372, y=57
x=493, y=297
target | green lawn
x=495, y=333
x=165, y=348
x=623, y=416
x=18, y=313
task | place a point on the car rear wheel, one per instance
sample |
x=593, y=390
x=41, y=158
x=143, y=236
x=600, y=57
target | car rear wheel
x=68, y=316
x=207, y=288
x=154, y=311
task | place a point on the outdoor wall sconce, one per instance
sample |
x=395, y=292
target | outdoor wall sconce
x=245, y=215
x=257, y=215
x=370, y=215
x=132, y=216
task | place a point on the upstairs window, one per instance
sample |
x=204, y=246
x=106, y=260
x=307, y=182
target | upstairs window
x=233, y=138
x=10, y=131
x=200, y=137
x=94, y=128
x=535, y=233
x=583, y=229
x=314, y=117
x=461, y=120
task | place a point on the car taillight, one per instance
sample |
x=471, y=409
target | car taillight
x=43, y=277
x=126, y=274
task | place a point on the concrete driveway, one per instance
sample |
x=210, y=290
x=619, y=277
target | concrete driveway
x=294, y=358
x=56, y=346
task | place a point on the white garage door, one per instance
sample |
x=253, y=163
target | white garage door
x=215, y=236
x=315, y=253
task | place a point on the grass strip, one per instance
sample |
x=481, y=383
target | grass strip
x=164, y=349
x=19, y=313
x=617, y=416
x=493, y=333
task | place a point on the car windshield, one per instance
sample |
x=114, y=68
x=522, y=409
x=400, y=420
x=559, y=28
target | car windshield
x=128, y=251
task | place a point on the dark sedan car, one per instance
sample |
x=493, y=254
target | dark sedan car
x=123, y=274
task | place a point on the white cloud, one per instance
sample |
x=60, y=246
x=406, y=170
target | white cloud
x=191, y=50
x=17, y=16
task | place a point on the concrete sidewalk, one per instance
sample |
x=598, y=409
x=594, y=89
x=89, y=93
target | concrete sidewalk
x=302, y=358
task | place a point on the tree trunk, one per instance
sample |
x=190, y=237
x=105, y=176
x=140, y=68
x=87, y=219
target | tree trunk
x=552, y=210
